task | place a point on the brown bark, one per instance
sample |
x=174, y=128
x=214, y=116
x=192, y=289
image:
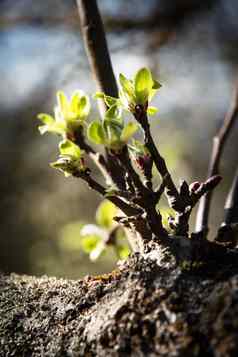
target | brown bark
x=150, y=306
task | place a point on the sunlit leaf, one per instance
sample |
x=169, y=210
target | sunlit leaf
x=84, y=106
x=110, y=100
x=113, y=130
x=67, y=147
x=122, y=250
x=156, y=84
x=138, y=148
x=143, y=85
x=107, y=98
x=105, y=214
x=89, y=243
x=75, y=99
x=62, y=102
x=152, y=110
x=46, y=118
x=128, y=131
x=51, y=125
x=127, y=85
x=113, y=112
x=96, y=132
x=97, y=251
x=65, y=165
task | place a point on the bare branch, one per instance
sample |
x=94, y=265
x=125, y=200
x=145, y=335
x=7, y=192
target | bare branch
x=217, y=150
x=96, y=46
x=125, y=160
x=141, y=117
x=96, y=157
x=94, y=185
x=182, y=219
x=231, y=206
x=101, y=68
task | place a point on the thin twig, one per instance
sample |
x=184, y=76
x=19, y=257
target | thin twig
x=96, y=157
x=125, y=160
x=182, y=219
x=160, y=190
x=231, y=206
x=172, y=192
x=218, y=147
x=94, y=185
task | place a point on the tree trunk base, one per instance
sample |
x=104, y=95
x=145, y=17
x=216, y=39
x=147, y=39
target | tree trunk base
x=148, y=307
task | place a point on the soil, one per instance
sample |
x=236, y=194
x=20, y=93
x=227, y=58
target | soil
x=147, y=307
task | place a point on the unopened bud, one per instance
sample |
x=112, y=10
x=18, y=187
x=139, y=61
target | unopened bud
x=194, y=186
x=145, y=163
x=70, y=136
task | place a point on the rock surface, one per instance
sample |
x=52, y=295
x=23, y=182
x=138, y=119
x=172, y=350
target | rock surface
x=141, y=309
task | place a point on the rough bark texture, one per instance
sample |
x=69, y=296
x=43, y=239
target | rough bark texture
x=148, y=307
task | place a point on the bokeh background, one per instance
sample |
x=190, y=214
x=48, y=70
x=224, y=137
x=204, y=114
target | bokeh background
x=191, y=45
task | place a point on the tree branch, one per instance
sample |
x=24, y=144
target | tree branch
x=182, y=219
x=125, y=160
x=218, y=147
x=94, y=185
x=172, y=193
x=96, y=47
x=96, y=157
x=101, y=67
x=231, y=206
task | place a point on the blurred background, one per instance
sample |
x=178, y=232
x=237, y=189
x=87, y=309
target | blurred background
x=190, y=45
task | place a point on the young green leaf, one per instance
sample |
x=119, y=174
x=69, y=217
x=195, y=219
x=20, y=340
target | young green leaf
x=68, y=148
x=113, y=130
x=127, y=86
x=107, y=98
x=75, y=99
x=96, y=132
x=143, y=85
x=122, y=251
x=46, y=118
x=65, y=165
x=113, y=112
x=110, y=100
x=156, y=84
x=128, y=131
x=152, y=110
x=98, y=95
x=84, y=106
x=50, y=125
x=97, y=251
x=89, y=242
x=105, y=214
x=62, y=103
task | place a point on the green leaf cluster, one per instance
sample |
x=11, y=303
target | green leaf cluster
x=69, y=114
x=96, y=238
x=137, y=91
x=105, y=213
x=69, y=120
x=138, y=149
x=111, y=131
x=70, y=159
